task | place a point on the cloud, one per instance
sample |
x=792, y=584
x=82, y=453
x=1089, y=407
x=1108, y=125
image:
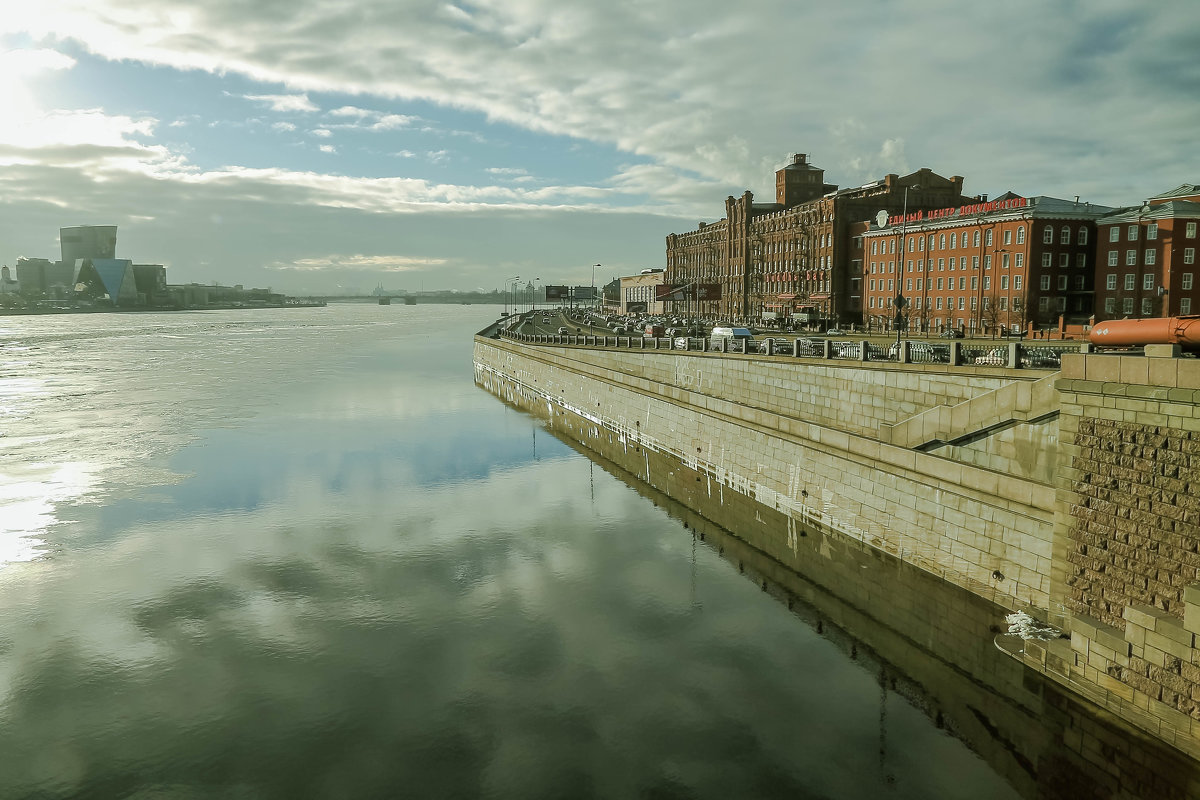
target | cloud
x=327, y=148
x=284, y=102
x=23, y=63
x=322, y=132
x=283, y=126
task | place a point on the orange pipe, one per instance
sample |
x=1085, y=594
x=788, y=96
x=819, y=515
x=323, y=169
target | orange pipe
x=1183, y=331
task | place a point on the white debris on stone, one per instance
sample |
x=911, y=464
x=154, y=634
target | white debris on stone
x=1025, y=626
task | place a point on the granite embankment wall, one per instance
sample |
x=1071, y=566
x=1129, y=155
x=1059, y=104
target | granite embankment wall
x=812, y=439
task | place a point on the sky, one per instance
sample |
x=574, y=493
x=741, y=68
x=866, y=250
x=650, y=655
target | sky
x=332, y=147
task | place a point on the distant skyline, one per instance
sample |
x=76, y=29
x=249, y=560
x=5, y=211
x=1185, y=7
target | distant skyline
x=316, y=147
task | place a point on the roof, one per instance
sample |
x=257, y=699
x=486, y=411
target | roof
x=1168, y=210
x=1182, y=190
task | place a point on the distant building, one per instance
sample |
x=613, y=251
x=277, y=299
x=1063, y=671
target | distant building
x=1147, y=258
x=793, y=257
x=114, y=277
x=87, y=241
x=637, y=293
x=8, y=284
x=42, y=278
x=977, y=268
x=151, y=282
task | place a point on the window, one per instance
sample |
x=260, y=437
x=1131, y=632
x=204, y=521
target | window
x=1017, y=281
x=1004, y=261
x=1189, y=255
x=1127, y=305
x=1004, y=304
x=874, y=248
x=920, y=244
x=962, y=303
x=1080, y=260
x=920, y=284
x=1132, y=234
x=941, y=284
x=1185, y=305
x=987, y=237
x=910, y=269
x=942, y=242
x=962, y=283
x=1064, y=260
x=1020, y=262
x=1152, y=230
x=1129, y=281
x=918, y=303
x=1150, y=257
x=1130, y=257
x=920, y=265
x=987, y=282
x=1065, y=236
x=1062, y=283
x=941, y=265
x=987, y=262
x=1110, y=283
x=1112, y=258
x=1082, y=235
x=931, y=241
x=891, y=284
x=1045, y=283
x=871, y=303
x=909, y=282
x=962, y=263
x=1110, y=305
x=1079, y=283
x=1003, y=281
x=1046, y=259
x=1148, y=281
x=1060, y=303
x=974, y=262
x=954, y=241
x=891, y=266
x=1191, y=230
x=1147, y=306
x=1186, y=282
x=1021, y=234
x=974, y=282
x=1048, y=234
x=872, y=284
x=975, y=242
x=1008, y=237
x=939, y=304
x=891, y=245
x=1114, y=234
x=910, y=244
x=952, y=265
x=974, y=303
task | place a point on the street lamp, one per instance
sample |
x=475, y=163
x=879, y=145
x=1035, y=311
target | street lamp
x=900, y=272
x=594, y=284
x=535, y=280
x=509, y=295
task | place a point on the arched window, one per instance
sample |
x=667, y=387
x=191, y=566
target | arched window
x=942, y=242
x=987, y=238
x=1048, y=234
x=1082, y=234
x=1065, y=238
x=976, y=242
x=1021, y=234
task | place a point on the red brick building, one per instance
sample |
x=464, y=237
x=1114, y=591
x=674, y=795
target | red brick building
x=794, y=257
x=1008, y=264
x=1146, y=264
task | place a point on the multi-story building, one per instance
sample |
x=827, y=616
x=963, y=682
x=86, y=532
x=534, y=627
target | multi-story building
x=794, y=257
x=982, y=267
x=87, y=241
x=1146, y=264
x=638, y=294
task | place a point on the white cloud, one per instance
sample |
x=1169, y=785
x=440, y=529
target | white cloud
x=283, y=126
x=359, y=262
x=23, y=63
x=322, y=132
x=327, y=148
x=284, y=102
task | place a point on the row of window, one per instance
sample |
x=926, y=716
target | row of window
x=1149, y=281
x=940, y=303
x=944, y=265
x=918, y=242
x=1132, y=232
x=1110, y=305
x=1149, y=256
x=1080, y=283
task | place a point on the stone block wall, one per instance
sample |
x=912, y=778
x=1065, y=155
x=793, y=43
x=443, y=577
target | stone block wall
x=1127, y=535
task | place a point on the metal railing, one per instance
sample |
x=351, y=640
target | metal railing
x=1015, y=355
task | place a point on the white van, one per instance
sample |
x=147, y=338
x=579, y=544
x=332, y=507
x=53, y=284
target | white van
x=731, y=333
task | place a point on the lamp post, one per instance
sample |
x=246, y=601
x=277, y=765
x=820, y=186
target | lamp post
x=899, y=301
x=535, y=280
x=507, y=294
x=594, y=284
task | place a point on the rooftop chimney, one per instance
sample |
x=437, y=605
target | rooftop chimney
x=799, y=158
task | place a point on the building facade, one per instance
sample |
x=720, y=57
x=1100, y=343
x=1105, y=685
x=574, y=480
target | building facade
x=794, y=258
x=1146, y=264
x=87, y=241
x=983, y=267
x=638, y=293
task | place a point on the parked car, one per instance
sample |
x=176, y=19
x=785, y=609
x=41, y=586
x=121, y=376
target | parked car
x=835, y=332
x=950, y=333
x=996, y=357
x=775, y=344
x=562, y=330
x=922, y=352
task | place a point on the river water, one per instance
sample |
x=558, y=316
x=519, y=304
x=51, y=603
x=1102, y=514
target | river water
x=298, y=553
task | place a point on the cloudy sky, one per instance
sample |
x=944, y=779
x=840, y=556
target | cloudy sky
x=310, y=146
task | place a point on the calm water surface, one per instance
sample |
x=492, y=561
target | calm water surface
x=299, y=553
